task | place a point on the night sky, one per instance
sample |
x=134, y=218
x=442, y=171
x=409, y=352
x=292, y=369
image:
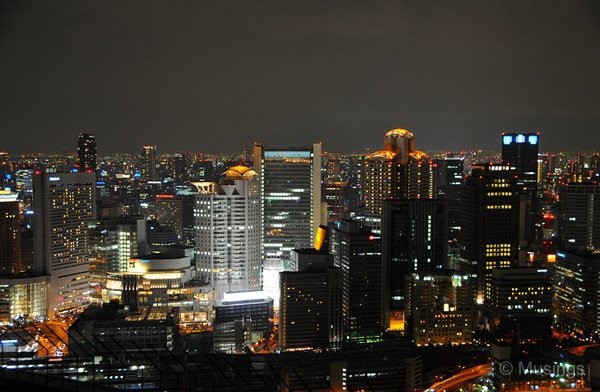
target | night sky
x=217, y=76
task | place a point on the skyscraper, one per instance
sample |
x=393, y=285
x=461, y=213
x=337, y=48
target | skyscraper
x=414, y=239
x=310, y=306
x=64, y=205
x=489, y=233
x=397, y=171
x=87, y=156
x=228, y=232
x=520, y=151
x=10, y=238
x=358, y=253
x=149, y=163
x=290, y=197
x=169, y=212
x=579, y=218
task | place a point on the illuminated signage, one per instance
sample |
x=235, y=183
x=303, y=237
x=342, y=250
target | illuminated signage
x=54, y=179
x=561, y=255
x=288, y=154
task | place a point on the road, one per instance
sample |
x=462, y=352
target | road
x=461, y=378
x=580, y=350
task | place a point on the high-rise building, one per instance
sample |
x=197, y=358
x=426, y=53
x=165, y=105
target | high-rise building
x=449, y=179
x=64, y=205
x=22, y=296
x=114, y=241
x=87, y=156
x=576, y=301
x=10, y=238
x=169, y=212
x=334, y=197
x=149, y=163
x=228, y=232
x=414, y=239
x=310, y=308
x=179, y=168
x=519, y=302
x=290, y=192
x=357, y=251
x=489, y=234
x=397, y=171
x=438, y=307
x=579, y=218
x=520, y=151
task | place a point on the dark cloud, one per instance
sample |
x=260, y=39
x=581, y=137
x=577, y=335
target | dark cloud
x=216, y=76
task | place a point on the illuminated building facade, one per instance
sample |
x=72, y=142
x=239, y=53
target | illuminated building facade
x=228, y=232
x=22, y=296
x=87, y=156
x=519, y=302
x=64, y=205
x=397, y=171
x=253, y=307
x=114, y=241
x=10, y=237
x=414, y=239
x=489, y=233
x=149, y=163
x=290, y=191
x=438, y=307
x=579, y=217
x=357, y=251
x=576, y=302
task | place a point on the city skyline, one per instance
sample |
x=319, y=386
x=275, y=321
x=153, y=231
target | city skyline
x=456, y=74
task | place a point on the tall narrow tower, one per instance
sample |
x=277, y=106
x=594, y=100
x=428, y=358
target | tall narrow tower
x=10, y=238
x=87, y=156
x=149, y=163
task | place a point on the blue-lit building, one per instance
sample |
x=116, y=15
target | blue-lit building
x=520, y=150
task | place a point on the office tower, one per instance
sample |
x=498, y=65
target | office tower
x=449, y=179
x=520, y=150
x=438, y=307
x=228, y=232
x=519, y=303
x=202, y=171
x=489, y=234
x=357, y=251
x=87, y=157
x=179, y=168
x=114, y=241
x=149, y=163
x=290, y=192
x=64, y=205
x=310, y=309
x=579, y=217
x=577, y=289
x=414, y=239
x=169, y=212
x=397, y=171
x=10, y=234
x=334, y=197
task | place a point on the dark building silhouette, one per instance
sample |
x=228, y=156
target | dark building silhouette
x=87, y=156
x=579, y=217
x=10, y=235
x=414, y=239
x=357, y=251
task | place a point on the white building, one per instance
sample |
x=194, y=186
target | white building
x=228, y=232
x=64, y=206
